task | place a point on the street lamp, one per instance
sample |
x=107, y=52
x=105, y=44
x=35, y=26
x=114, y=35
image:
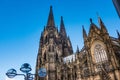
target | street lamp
x=25, y=68
x=11, y=73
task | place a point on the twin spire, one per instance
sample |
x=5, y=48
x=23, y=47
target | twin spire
x=84, y=33
x=51, y=23
x=51, y=18
x=62, y=28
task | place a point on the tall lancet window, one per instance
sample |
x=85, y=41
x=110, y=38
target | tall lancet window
x=100, y=53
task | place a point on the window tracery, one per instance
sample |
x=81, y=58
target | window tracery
x=100, y=54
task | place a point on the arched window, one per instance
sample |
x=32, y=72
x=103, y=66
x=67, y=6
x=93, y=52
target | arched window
x=100, y=53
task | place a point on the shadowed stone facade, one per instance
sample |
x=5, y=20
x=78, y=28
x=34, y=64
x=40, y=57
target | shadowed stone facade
x=99, y=59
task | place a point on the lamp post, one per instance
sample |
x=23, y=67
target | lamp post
x=25, y=68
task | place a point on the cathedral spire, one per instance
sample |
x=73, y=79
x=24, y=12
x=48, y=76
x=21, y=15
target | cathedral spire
x=41, y=39
x=118, y=35
x=51, y=18
x=93, y=27
x=102, y=26
x=84, y=33
x=77, y=51
x=70, y=45
x=62, y=28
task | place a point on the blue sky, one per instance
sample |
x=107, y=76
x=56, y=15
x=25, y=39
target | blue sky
x=21, y=22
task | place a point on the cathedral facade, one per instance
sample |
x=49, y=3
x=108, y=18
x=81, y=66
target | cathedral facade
x=99, y=59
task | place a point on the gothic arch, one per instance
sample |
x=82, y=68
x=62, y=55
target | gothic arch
x=98, y=51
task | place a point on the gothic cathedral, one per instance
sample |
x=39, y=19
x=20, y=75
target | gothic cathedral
x=99, y=59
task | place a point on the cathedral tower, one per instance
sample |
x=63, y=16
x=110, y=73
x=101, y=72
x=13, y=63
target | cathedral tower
x=53, y=46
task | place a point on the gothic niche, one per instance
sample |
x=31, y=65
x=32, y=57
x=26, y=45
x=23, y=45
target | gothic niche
x=86, y=72
x=51, y=35
x=46, y=39
x=56, y=56
x=45, y=56
x=85, y=69
x=52, y=66
x=51, y=48
x=51, y=41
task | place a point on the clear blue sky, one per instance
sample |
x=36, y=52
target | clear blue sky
x=21, y=22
